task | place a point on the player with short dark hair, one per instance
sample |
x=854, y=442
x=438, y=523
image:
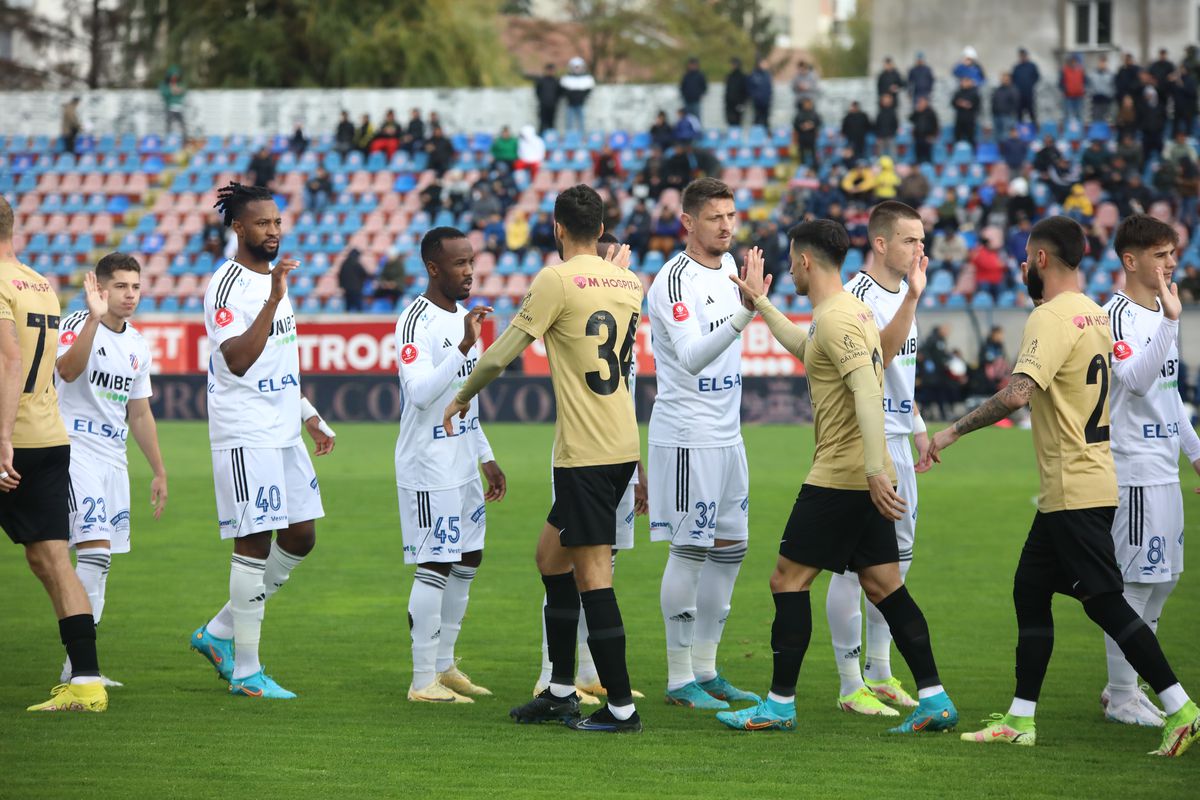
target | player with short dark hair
x=844, y=517
x=700, y=478
x=586, y=310
x=891, y=289
x=632, y=505
x=263, y=477
x=1063, y=373
x=35, y=463
x=443, y=517
x=103, y=381
x=1149, y=427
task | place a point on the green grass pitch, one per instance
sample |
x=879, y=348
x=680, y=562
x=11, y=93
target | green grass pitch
x=337, y=635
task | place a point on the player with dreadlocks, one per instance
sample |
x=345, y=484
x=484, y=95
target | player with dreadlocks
x=263, y=476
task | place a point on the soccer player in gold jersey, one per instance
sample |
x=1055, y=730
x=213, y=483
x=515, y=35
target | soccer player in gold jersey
x=1063, y=372
x=35, y=462
x=586, y=310
x=844, y=517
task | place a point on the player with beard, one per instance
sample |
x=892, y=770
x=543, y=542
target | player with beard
x=1063, y=373
x=263, y=476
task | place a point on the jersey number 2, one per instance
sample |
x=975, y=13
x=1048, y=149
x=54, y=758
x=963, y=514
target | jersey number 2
x=1097, y=372
x=618, y=365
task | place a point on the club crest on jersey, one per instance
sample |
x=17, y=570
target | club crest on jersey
x=408, y=353
x=847, y=342
x=223, y=317
x=680, y=312
x=68, y=338
x=1122, y=350
x=133, y=360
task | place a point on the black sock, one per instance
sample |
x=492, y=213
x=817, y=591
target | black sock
x=606, y=640
x=790, y=634
x=910, y=632
x=562, y=624
x=78, y=633
x=1137, y=642
x=1035, y=639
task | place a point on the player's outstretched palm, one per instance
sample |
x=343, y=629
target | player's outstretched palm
x=1169, y=296
x=619, y=256
x=472, y=325
x=917, y=272
x=751, y=282
x=279, y=278
x=95, y=297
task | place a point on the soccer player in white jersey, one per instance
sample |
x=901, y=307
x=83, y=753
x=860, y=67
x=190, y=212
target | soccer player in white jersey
x=103, y=382
x=632, y=505
x=891, y=290
x=263, y=477
x=442, y=513
x=1149, y=427
x=699, y=478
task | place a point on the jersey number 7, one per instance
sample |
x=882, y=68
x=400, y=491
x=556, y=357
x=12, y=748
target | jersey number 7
x=618, y=365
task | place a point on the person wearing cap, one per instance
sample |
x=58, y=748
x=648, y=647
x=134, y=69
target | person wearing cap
x=576, y=85
x=920, y=79
x=969, y=67
x=1025, y=77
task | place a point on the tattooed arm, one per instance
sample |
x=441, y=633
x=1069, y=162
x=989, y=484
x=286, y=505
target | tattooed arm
x=1013, y=396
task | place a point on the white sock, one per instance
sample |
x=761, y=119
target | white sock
x=247, y=600
x=778, y=698
x=561, y=690
x=622, y=712
x=1022, y=708
x=585, y=673
x=929, y=691
x=1122, y=678
x=425, y=622
x=713, y=595
x=1158, y=598
x=1173, y=698
x=280, y=564
x=221, y=626
x=681, y=579
x=843, y=611
x=91, y=565
x=454, y=608
x=547, y=668
x=878, y=663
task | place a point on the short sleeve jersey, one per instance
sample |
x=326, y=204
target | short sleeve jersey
x=94, y=404
x=1065, y=349
x=686, y=302
x=900, y=376
x=1145, y=429
x=29, y=301
x=586, y=311
x=426, y=458
x=842, y=339
x=261, y=409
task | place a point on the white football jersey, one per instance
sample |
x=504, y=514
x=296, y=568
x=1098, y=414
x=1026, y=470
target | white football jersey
x=93, y=406
x=1144, y=431
x=261, y=408
x=690, y=308
x=432, y=370
x=900, y=377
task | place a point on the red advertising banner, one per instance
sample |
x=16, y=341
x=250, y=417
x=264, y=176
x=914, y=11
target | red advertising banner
x=761, y=354
x=345, y=345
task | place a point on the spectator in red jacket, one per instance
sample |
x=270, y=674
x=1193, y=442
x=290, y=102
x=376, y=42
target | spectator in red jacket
x=1073, y=82
x=991, y=276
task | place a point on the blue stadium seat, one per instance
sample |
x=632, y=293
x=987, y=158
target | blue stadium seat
x=507, y=264
x=335, y=305
x=193, y=304
x=376, y=162
x=652, y=262
x=983, y=300
x=168, y=304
